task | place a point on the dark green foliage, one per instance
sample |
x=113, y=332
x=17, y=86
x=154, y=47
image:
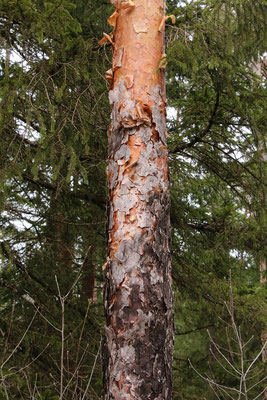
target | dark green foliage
x=54, y=118
x=53, y=135
x=218, y=179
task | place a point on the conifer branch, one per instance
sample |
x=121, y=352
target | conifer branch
x=54, y=188
x=194, y=330
x=198, y=138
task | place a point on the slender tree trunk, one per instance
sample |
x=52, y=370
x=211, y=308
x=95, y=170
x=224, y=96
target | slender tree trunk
x=88, y=278
x=137, y=352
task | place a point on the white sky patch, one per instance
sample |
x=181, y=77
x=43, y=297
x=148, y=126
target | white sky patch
x=171, y=113
x=27, y=131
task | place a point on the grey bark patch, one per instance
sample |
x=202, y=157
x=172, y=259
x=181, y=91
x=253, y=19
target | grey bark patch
x=126, y=133
x=132, y=131
x=155, y=277
x=142, y=170
x=124, y=190
x=144, y=134
x=157, y=117
x=118, y=272
x=136, y=280
x=122, y=298
x=123, y=152
x=111, y=218
x=116, y=141
x=127, y=117
x=115, y=94
x=142, y=197
x=128, y=353
x=132, y=261
x=151, y=152
x=113, y=173
x=159, y=121
x=156, y=94
x=145, y=168
x=121, y=253
x=124, y=203
x=126, y=255
x=144, y=220
x=150, y=183
x=161, y=151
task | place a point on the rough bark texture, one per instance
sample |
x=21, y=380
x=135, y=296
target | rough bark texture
x=137, y=352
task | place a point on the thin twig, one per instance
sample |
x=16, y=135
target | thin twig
x=92, y=372
x=260, y=393
x=255, y=359
x=213, y=382
x=21, y=340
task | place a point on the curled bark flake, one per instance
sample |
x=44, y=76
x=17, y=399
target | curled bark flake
x=164, y=19
x=109, y=75
x=106, y=39
x=121, y=162
x=172, y=17
x=112, y=20
x=123, y=4
x=163, y=61
x=133, y=163
x=117, y=60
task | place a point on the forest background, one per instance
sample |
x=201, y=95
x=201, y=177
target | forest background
x=53, y=148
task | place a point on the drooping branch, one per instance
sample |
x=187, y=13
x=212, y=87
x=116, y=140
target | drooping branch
x=202, y=134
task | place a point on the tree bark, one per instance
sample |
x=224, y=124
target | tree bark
x=137, y=350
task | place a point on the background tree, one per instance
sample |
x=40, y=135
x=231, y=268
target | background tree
x=53, y=218
x=216, y=164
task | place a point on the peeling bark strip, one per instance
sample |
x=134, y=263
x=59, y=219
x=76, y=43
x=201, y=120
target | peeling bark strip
x=137, y=353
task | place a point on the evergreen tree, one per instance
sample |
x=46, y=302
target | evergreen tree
x=53, y=203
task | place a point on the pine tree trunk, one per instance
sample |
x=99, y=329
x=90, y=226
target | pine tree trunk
x=137, y=352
